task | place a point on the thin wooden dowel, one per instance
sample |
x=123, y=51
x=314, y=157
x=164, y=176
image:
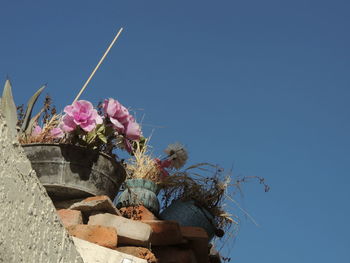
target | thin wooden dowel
x=98, y=65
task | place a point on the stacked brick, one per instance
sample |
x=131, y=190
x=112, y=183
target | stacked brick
x=134, y=231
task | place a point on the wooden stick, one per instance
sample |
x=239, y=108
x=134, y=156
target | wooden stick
x=98, y=65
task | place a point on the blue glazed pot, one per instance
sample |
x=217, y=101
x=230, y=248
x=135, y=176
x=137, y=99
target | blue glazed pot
x=139, y=192
x=189, y=214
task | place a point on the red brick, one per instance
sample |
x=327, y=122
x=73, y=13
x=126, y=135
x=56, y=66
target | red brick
x=100, y=235
x=137, y=213
x=194, y=233
x=96, y=204
x=174, y=255
x=198, y=242
x=165, y=232
x=70, y=217
x=96, y=198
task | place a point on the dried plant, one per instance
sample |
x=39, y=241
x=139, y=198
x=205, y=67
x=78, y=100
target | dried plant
x=177, y=155
x=211, y=188
x=142, y=165
x=20, y=115
x=46, y=134
x=203, y=183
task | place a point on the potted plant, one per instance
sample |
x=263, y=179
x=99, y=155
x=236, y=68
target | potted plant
x=73, y=152
x=198, y=196
x=146, y=175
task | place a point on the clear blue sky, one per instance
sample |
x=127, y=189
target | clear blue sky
x=262, y=85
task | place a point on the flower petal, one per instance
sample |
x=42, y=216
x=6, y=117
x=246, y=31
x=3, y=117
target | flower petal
x=67, y=123
x=94, y=115
x=122, y=112
x=133, y=131
x=83, y=105
x=36, y=131
x=89, y=125
x=117, y=125
x=110, y=107
x=69, y=110
x=56, y=132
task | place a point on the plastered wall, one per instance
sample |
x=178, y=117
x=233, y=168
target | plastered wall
x=30, y=230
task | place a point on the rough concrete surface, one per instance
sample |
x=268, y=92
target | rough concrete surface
x=30, y=230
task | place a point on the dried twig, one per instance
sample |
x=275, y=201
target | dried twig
x=98, y=65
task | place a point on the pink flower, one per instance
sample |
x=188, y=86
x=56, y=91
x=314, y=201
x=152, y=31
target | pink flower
x=121, y=119
x=36, y=131
x=132, y=131
x=80, y=113
x=161, y=166
x=116, y=112
x=56, y=133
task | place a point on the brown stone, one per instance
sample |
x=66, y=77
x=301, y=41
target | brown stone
x=164, y=233
x=96, y=204
x=174, y=255
x=139, y=252
x=137, y=213
x=198, y=242
x=70, y=217
x=100, y=235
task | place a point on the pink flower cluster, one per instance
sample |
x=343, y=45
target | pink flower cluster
x=121, y=119
x=81, y=113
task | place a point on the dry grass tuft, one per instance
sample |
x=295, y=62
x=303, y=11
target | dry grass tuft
x=142, y=165
x=45, y=136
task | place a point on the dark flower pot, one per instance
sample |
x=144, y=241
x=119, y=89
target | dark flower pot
x=69, y=172
x=139, y=192
x=187, y=213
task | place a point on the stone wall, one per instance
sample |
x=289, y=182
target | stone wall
x=30, y=230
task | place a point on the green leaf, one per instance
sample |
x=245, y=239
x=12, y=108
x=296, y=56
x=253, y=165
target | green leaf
x=33, y=121
x=29, y=110
x=8, y=107
x=102, y=137
x=100, y=128
x=91, y=136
